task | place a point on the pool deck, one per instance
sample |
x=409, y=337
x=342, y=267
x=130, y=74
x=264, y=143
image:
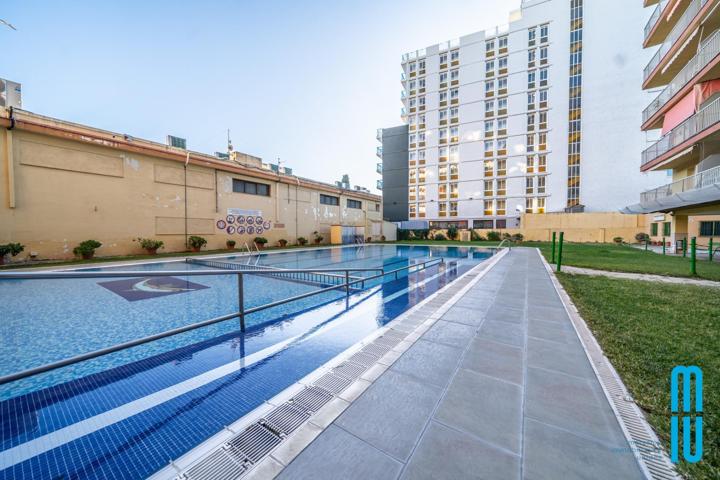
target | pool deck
x=499, y=387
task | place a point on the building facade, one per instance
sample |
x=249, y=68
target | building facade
x=63, y=183
x=683, y=37
x=394, y=169
x=532, y=117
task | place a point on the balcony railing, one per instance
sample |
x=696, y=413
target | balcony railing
x=690, y=12
x=379, y=184
x=378, y=151
x=379, y=134
x=379, y=168
x=703, y=119
x=655, y=17
x=704, y=179
x=708, y=51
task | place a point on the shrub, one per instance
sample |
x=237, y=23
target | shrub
x=318, y=238
x=87, y=248
x=506, y=236
x=302, y=241
x=11, y=249
x=517, y=237
x=382, y=238
x=493, y=236
x=642, y=237
x=368, y=240
x=439, y=237
x=452, y=232
x=150, y=244
x=618, y=240
x=403, y=234
x=230, y=243
x=421, y=233
x=196, y=243
x=260, y=240
x=282, y=242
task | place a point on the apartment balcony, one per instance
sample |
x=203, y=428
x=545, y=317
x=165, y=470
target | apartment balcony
x=378, y=151
x=659, y=23
x=379, y=167
x=705, y=65
x=676, y=144
x=379, y=134
x=681, y=43
x=379, y=184
x=700, y=189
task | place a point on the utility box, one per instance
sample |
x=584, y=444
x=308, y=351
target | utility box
x=10, y=94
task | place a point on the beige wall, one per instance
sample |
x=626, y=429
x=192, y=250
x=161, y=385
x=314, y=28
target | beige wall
x=682, y=226
x=58, y=192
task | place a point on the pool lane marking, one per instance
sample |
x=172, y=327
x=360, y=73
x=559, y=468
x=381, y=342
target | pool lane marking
x=57, y=438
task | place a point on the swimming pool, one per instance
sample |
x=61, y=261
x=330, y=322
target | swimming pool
x=133, y=411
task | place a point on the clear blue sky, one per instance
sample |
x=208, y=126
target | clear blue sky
x=307, y=81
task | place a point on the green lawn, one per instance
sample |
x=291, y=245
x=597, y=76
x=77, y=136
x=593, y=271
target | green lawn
x=646, y=329
x=605, y=256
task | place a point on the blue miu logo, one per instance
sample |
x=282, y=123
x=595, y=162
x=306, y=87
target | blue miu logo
x=687, y=413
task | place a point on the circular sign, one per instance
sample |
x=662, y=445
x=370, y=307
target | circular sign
x=221, y=224
x=259, y=220
x=259, y=230
x=241, y=218
x=240, y=230
x=230, y=219
x=251, y=229
x=230, y=230
x=266, y=225
x=250, y=220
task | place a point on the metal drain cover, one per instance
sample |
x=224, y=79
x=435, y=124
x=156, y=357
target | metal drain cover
x=285, y=419
x=332, y=383
x=363, y=359
x=255, y=442
x=388, y=341
x=376, y=350
x=350, y=370
x=312, y=399
x=216, y=466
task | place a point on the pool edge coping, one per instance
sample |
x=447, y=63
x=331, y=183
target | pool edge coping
x=630, y=418
x=294, y=443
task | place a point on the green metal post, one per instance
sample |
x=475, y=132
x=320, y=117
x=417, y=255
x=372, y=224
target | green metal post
x=684, y=247
x=710, y=250
x=663, y=245
x=647, y=241
x=553, y=248
x=559, y=259
x=693, y=251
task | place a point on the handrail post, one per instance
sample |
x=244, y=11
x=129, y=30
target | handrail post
x=560, y=248
x=663, y=245
x=693, y=251
x=553, y=248
x=241, y=301
x=684, y=247
x=710, y=250
x=347, y=282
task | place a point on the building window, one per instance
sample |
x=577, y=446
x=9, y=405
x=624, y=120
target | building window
x=531, y=58
x=453, y=209
x=454, y=134
x=544, y=29
x=500, y=187
x=488, y=168
x=490, y=67
x=709, y=229
x=455, y=76
x=500, y=207
x=455, y=55
x=250, y=188
x=354, y=203
x=654, y=229
x=530, y=164
x=501, y=167
x=575, y=101
x=530, y=143
x=531, y=36
x=421, y=192
x=454, y=170
x=443, y=60
x=543, y=77
x=442, y=172
x=531, y=101
x=483, y=224
x=541, y=205
x=531, y=79
x=488, y=192
x=543, y=55
x=442, y=209
x=443, y=154
x=413, y=210
x=529, y=185
x=329, y=200
x=377, y=207
x=488, y=207
x=667, y=228
x=541, y=185
x=502, y=42
x=454, y=114
x=454, y=192
x=454, y=153
x=421, y=174
x=529, y=205
x=442, y=190
x=542, y=163
x=412, y=191
x=489, y=46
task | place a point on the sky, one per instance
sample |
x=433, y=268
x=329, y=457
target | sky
x=306, y=81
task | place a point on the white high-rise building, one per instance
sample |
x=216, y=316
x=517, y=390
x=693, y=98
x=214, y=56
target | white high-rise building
x=538, y=116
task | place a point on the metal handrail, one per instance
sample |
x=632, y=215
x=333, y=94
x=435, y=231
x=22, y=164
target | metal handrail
x=688, y=15
x=693, y=125
x=241, y=313
x=652, y=21
x=706, y=178
x=707, y=52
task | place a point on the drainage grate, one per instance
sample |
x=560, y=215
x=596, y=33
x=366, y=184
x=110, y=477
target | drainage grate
x=285, y=419
x=255, y=442
x=387, y=341
x=350, y=370
x=332, y=383
x=394, y=334
x=363, y=359
x=311, y=399
x=376, y=350
x=219, y=465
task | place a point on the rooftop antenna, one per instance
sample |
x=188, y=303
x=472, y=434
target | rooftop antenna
x=279, y=164
x=230, y=147
x=8, y=24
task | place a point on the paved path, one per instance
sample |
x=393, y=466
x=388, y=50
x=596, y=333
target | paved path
x=500, y=387
x=640, y=276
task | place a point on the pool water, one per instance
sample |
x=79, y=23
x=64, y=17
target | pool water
x=127, y=414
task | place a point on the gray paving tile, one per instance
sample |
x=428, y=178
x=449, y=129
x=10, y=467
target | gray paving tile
x=486, y=407
x=466, y=316
x=429, y=362
x=391, y=413
x=502, y=332
x=547, y=314
x=337, y=454
x=555, y=331
x=551, y=453
x=506, y=313
x=450, y=333
x=495, y=359
x=571, y=403
x=447, y=453
x=567, y=358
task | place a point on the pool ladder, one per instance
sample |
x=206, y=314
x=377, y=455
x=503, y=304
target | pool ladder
x=252, y=255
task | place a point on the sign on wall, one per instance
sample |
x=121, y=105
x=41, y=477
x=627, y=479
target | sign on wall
x=240, y=221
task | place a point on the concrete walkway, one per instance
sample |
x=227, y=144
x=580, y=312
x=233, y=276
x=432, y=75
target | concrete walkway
x=641, y=276
x=500, y=387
